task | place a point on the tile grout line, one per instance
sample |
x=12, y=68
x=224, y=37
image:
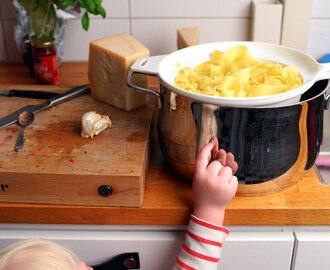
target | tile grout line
x=320, y=18
x=190, y=17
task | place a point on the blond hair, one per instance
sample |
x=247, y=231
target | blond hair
x=37, y=254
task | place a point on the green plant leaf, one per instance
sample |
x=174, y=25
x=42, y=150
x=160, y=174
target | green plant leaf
x=85, y=21
x=21, y=2
x=91, y=6
x=81, y=3
x=40, y=8
x=100, y=10
x=65, y=4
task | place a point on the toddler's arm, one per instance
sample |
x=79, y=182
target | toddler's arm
x=214, y=186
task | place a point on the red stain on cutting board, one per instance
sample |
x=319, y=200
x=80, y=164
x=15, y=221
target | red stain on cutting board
x=116, y=150
x=69, y=169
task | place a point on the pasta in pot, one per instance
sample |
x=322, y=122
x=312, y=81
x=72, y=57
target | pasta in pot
x=235, y=73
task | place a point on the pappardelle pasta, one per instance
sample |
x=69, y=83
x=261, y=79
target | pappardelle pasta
x=236, y=73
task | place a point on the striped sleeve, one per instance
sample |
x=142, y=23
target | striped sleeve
x=202, y=247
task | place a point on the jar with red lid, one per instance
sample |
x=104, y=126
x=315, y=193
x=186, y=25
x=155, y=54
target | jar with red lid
x=45, y=60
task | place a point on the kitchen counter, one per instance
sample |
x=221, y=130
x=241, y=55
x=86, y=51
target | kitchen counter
x=168, y=198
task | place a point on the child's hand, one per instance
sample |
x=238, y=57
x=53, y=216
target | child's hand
x=214, y=184
x=226, y=159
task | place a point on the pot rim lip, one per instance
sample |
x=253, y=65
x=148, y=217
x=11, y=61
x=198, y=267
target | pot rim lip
x=275, y=100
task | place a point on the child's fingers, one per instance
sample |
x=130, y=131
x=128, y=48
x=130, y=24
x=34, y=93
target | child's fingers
x=234, y=167
x=225, y=174
x=230, y=161
x=222, y=157
x=214, y=167
x=234, y=183
x=202, y=159
x=214, y=152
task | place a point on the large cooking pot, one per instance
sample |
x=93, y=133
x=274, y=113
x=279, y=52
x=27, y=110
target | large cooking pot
x=272, y=144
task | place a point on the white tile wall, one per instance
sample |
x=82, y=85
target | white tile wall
x=319, y=33
x=321, y=9
x=76, y=40
x=113, y=8
x=190, y=8
x=154, y=23
x=116, y=8
x=319, y=38
x=210, y=30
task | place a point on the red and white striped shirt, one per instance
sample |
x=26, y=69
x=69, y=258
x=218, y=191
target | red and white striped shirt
x=202, y=247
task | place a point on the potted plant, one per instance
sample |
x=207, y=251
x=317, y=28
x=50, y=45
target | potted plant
x=39, y=21
x=43, y=17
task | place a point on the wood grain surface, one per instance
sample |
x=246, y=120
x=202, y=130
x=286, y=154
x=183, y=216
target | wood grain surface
x=168, y=197
x=57, y=165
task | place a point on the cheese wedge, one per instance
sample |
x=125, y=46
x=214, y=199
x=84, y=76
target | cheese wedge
x=187, y=37
x=109, y=62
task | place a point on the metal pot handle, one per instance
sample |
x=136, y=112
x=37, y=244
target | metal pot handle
x=327, y=99
x=148, y=66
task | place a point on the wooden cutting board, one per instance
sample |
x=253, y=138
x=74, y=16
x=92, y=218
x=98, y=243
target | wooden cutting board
x=58, y=166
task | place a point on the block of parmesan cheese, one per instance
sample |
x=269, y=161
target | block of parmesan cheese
x=187, y=37
x=109, y=62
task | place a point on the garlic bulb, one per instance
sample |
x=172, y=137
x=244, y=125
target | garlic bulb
x=93, y=123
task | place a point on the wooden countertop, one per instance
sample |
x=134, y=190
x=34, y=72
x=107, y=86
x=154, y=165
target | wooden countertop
x=168, y=198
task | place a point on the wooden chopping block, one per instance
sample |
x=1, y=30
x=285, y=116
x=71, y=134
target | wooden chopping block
x=58, y=166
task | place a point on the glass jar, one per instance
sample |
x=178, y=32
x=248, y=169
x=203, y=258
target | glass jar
x=45, y=60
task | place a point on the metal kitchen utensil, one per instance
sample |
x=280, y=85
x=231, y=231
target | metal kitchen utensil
x=24, y=119
x=28, y=94
x=72, y=93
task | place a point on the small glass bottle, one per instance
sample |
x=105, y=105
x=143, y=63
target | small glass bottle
x=45, y=60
